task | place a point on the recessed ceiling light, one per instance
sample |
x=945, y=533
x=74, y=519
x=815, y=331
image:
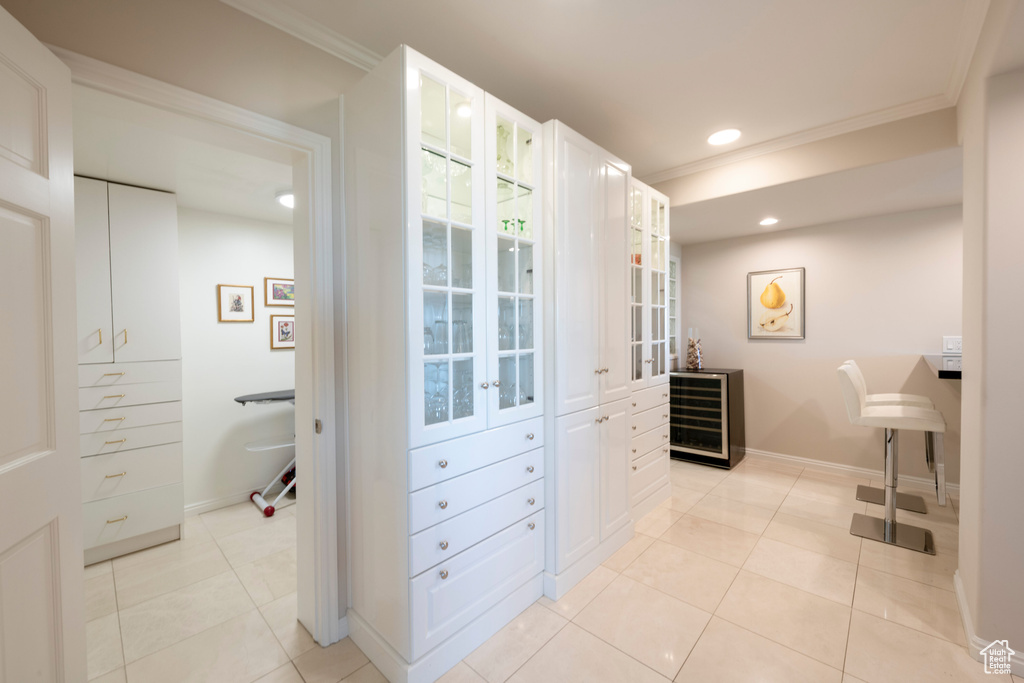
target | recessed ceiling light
x=724, y=137
x=769, y=221
x=464, y=110
x=286, y=199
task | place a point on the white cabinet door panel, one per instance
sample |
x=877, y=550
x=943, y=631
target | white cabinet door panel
x=614, y=284
x=577, y=486
x=92, y=246
x=614, y=467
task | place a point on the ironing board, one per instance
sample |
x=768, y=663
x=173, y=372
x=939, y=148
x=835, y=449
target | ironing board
x=259, y=497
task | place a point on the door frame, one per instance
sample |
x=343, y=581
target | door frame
x=317, y=511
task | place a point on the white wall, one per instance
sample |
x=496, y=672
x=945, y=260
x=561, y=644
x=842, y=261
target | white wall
x=223, y=360
x=881, y=290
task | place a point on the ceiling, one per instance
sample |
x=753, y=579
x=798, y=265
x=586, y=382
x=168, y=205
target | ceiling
x=208, y=167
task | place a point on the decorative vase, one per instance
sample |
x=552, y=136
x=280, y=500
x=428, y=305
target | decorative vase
x=694, y=359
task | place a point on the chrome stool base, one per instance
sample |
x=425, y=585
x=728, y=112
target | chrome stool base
x=904, y=501
x=902, y=535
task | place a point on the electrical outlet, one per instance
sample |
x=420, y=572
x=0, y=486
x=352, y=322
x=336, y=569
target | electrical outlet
x=952, y=345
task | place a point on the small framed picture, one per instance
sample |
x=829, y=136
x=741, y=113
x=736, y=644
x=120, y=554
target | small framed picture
x=282, y=332
x=775, y=304
x=234, y=304
x=278, y=291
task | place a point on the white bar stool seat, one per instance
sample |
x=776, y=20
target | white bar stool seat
x=893, y=418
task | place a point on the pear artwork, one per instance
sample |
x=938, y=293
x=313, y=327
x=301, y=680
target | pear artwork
x=773, y=321
x=773, y=296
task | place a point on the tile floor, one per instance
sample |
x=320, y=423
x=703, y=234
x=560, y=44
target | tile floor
x=749, y=575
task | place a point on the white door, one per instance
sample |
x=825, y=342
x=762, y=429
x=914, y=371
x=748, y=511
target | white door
x=611, y=228
x=92, y=244
x=615, y=459
x=577, y=486
x=42, y=630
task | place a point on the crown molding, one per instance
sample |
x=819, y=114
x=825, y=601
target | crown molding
x=971, y=24
x=305, y=29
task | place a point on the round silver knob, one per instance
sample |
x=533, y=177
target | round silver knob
x=530, y=436
x=532, y=526
x=531, y=501
x=442, y=464
x=443, y=504
x=444, y=544
x=604, y=369
x=664, y=450
x=664, y=415
x=664, y=436
x=484, y=385
x=664, y=395
x=496, y=383
x=597, y=372
x=530, y=469
x=444, y=573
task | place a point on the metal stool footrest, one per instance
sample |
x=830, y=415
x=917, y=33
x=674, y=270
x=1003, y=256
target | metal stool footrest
x=904, y=501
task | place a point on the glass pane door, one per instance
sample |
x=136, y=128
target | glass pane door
x=636, y=285
x=659, y=287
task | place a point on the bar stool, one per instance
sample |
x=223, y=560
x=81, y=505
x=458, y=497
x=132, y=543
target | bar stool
x=893, y=418
x=870, y=494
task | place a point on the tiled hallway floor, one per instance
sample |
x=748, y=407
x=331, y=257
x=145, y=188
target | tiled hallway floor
x=749, y=575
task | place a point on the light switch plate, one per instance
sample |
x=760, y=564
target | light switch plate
x=952, y=364
x=952, y=345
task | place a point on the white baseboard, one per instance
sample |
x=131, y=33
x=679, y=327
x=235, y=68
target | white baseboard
x=557, y=585
x=975, y=643
x=343, y=627
x=918, y=483
x=233, y=499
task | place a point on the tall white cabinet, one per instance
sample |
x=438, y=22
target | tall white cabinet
x=446, y=285
x=129, y=351
x=588, y=374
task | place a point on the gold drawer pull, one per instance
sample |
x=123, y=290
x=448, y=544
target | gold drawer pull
x=443, y=505
x=442, y=464
x=444, y=545
x=114, y=419
x=529, y=468
x=532, y=526
x=113, y=374
x=444, y=573
x=115, y=476
x=115, y=396
x=115, y=521
x=126, y=335
x=107, y=443
x=100, y=332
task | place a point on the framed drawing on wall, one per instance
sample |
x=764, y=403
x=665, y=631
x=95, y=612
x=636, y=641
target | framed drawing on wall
x=234, y=304
x=775, y=304
x=282, y=332
x=278, y=291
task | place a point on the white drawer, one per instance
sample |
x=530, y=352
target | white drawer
x=93, y=398
x=444, y=501
x=648, y=474
x=116, y=474
x=476, y=580
x=443, y=541
x=128, y=439
x=129, y=417
x=645, y=399
x=115, y=519
x=648, y=420
x=648, y=441
x=438, y=462
x=109, y=374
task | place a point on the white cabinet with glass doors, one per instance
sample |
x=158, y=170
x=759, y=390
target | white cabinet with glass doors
x=648, y=283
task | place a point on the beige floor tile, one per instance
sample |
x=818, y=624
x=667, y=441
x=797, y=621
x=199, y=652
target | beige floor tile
x=277, y=535
x=195, y=531
x=629, y=552
x=286, y=674
x=726, y=653
x=692, y=578
x=935, y=570
x=1017, y=679
x=695, y=477
x=575, y=656
x=241, y=517
x=98, y=569
x=847, y=678
x=838, y=490
x=756, y=476
x=239, y=650
x=804, y=569
x=837, y=515
x=946, y=531
x=646, y=624
x=657, y=521
x=165, y=568
x=715, y=540
x=103, y=646
x=581, y=594
x=931, y=610
x=753, y=461
x=749, y=518
x=882, y=652
x=270, y=577
x=367, y=674
x=332, y=663
x=512, y=646
x=750, y=492
x=817, y=536
x=282, y=617
x=115, y=676
x=461, y=673
x=165, y=620
x=100, y=598
x=682, y=499
x=811, y=625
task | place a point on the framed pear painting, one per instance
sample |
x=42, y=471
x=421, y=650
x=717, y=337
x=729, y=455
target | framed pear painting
x=775, y=304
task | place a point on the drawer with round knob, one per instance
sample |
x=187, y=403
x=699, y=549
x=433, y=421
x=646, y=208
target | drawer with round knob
x=645, y=399
x=647, y=474
x=443, y=501
x=640, y=423
x=642, y=444
x=447, y=539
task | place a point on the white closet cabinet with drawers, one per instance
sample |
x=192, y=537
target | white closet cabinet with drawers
x=445, y=290
x=587, y=462
x=129, y=352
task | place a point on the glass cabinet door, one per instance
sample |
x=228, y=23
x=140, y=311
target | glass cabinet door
x=658, y=358
x=446, y=282
x=514, y=266
x=637, y=263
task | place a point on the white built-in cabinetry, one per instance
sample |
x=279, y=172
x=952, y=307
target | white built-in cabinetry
x=445, y=290
x=129, y=349
x=587, y=471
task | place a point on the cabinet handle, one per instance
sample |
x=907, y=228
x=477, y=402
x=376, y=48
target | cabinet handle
x=664, y=450
x=634, y=404
x=442, y=464
x=114, y=419
x=634, y=428
x=115, y=521
x=604, y=369
x=443, y=504
x=113, y=374
x=634, y=450
x=444, y=574
x=607, y=418
x=444, y=545
x=115, y=476
x=634, y=468
x=107, y=443
x=100, y=332
x=496, y=383
x=531, y=501
x=598, y=371
x=531, y=526
x=530, y=469
x=649, y=361
x=115, y=396
x=530, y=436
x=126, y=335
x=665, y=416
x=664, y=395
x=484, y=385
